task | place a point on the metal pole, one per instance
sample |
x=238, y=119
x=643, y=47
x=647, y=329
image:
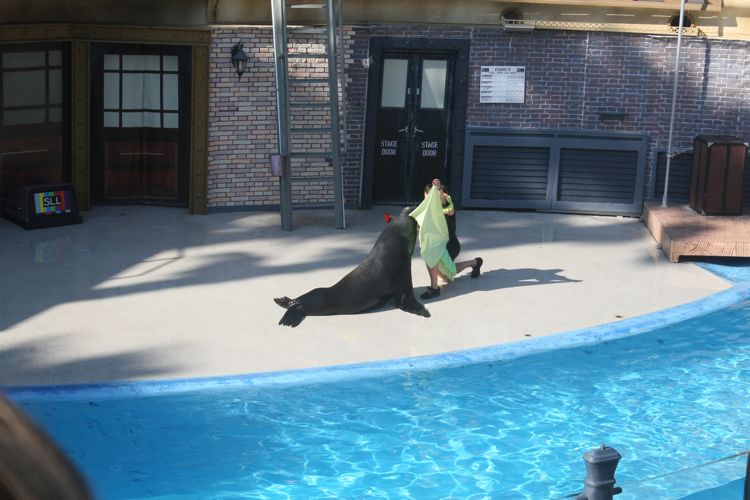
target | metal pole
x=674, y=103
x=278, y=14
x=333, y=76
x=342, y=74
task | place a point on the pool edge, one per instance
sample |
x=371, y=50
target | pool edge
x=493, y=353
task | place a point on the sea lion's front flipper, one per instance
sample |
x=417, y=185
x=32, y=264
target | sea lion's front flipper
x=408, y=303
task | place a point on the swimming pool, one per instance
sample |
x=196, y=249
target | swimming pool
x=666, y=399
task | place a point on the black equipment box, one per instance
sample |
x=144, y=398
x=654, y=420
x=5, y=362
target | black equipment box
x=43, y=205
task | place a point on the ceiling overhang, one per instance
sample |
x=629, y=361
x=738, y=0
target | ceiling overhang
x=691, y=5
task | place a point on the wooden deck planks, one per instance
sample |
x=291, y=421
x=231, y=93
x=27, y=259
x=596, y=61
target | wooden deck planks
x=680, y=232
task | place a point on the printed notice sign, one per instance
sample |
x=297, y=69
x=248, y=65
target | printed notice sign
x=502, y=84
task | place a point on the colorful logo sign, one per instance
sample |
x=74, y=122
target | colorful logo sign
x=52, y=202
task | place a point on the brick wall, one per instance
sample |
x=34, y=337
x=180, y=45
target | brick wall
x=571, y=77
x=242, y=122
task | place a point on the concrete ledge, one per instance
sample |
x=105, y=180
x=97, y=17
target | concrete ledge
x=681, y=232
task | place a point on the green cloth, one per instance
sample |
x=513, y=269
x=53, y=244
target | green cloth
x=433, y=234
x=446, y=266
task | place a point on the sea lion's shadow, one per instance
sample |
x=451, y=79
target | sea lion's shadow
x=497, y=279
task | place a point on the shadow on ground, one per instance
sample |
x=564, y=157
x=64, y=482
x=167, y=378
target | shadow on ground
x=27, y=361
x=53, y=266
x=498, y=279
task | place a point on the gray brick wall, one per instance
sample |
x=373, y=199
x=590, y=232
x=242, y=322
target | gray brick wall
x=242, y=122
x=570, y=78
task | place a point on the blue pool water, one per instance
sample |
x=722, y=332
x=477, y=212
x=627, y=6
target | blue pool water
x=667, y=400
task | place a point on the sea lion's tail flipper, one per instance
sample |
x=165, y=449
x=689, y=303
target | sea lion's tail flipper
x=284, y=302
x=292, y=317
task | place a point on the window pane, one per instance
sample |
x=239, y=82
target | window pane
x=140, y=91
x=141, y=63
x=132, y=119
x=433, y=84
x=23, y=59
x=112, y=61
x=111, y=91
x=55, y=57
x=151, y=119
x=171, y=90
x=132, y=91
x=23, y=88
x=55, y=86
x=394, y=83
x=171, y=120
x=151, y=91
x=141, y=119
x=170, y=63
x=24, y=117
x=111, y=119
x=55, y=114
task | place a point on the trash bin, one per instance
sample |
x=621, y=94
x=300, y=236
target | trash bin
x=718, y=172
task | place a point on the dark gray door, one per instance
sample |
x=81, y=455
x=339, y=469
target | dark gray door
x=413, y=125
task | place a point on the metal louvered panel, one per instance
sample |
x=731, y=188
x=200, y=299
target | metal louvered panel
x=510, y=173
x=597, y=176
x=680, y=174
x=562, y=170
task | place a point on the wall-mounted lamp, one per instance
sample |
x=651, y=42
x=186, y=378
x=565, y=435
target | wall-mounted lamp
x=239, y=59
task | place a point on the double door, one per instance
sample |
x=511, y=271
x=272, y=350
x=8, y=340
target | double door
x=412, y=144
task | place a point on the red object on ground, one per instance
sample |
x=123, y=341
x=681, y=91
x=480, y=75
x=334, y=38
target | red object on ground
x=387, y=218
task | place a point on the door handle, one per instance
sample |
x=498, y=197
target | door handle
x=417, y=130
x=404, y=130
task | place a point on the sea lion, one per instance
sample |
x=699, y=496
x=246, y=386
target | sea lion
x=385, y=274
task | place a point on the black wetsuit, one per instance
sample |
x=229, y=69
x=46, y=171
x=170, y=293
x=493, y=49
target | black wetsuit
x=453, y=246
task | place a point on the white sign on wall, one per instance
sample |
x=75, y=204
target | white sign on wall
x=502, y=84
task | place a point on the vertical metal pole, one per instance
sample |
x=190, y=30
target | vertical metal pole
x=278, y=14
x=342, y=64
x=338, y=188
x=674, y=103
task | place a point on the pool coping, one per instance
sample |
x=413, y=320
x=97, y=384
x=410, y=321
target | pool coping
x=500, y=352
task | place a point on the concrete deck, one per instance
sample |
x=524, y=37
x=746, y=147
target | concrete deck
x=138, y=293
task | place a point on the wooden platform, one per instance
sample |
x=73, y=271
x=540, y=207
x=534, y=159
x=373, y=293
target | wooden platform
x=680, y=231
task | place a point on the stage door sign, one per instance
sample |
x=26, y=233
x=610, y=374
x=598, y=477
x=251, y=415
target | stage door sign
x=502, y=84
